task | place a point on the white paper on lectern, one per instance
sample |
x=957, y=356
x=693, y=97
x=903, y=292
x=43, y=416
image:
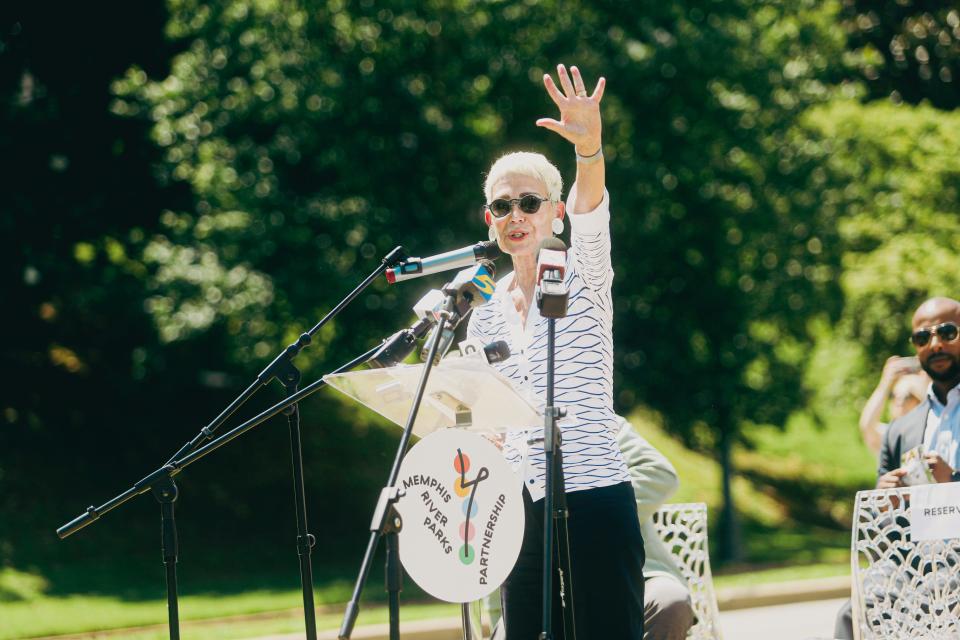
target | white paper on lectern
x=456, y=385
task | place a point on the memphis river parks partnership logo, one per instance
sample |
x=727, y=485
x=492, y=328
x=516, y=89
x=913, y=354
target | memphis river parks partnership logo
x=467, y=490
x=462, y=515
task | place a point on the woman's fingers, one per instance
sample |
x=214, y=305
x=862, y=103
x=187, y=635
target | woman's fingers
x=552, y=90
x=578, y=85
x=565, y=81
x=598, y=91
x=552, y=125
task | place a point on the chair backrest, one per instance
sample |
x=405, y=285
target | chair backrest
x=901, y=588
x=683, y=529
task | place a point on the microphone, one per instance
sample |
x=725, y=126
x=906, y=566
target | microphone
x=494, y=352
x=446, y=340
x=416, y=267
x=552, y=294
x=430, y=305
x=551, y=256
x=397, y=347
x=469, y=288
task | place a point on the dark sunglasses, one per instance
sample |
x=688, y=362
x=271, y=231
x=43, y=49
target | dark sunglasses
x=947, y=332
x=528, y=204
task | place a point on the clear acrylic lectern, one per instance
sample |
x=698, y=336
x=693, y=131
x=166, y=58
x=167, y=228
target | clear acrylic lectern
x=461, y=392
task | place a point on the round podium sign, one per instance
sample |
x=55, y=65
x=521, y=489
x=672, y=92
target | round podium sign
x=462, y=513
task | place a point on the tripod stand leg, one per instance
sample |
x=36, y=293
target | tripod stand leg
x=305, y=541
x=564, y=570
x=166, y=494
x=394, y=582
x=290, y=378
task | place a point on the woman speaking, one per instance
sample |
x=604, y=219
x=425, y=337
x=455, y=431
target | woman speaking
x=523, y=208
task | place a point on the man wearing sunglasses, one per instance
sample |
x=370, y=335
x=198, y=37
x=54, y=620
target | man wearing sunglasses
x=935, y=423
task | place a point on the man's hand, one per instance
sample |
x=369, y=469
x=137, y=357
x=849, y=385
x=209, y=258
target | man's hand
x=896, y=366
x=579, y=112
x=892, y=479
x=942, y=472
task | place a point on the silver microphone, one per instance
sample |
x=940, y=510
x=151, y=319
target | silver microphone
x=416, y=267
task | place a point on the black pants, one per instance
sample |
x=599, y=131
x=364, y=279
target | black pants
x=606, y=551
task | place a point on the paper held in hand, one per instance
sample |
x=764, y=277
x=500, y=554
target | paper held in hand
x=917, y=470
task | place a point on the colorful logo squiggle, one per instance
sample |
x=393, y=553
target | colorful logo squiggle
x=468, y=490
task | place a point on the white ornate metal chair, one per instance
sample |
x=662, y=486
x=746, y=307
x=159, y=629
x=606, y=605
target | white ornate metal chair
x=683, y=528
x=901, y=588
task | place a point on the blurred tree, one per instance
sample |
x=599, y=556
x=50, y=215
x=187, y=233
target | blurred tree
x=893, y=173
x=78, y=199
x=317, y=135
x=908, y=49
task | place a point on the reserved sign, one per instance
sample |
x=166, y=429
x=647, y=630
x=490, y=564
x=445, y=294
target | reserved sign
x=935, y=511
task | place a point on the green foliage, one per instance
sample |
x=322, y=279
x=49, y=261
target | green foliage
x=907, y=49
x=273, y=108
x=190, y=197
x=893, y=173
x=314, y=136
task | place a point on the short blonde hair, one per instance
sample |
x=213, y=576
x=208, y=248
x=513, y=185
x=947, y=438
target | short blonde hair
x=525, y=163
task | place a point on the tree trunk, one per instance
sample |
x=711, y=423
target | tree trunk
x=729, y=530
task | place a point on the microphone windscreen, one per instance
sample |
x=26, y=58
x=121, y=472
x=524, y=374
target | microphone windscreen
x=429, y=306
x=496, y=351
x=488, y=250
x=473, y=286
x=551, y=256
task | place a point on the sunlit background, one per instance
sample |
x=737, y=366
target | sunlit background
x=187, y=186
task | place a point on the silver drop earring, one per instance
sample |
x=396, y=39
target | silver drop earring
x=556, y=225
x=492, y=233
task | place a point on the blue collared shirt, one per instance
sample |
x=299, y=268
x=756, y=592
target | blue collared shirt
x=942, y=434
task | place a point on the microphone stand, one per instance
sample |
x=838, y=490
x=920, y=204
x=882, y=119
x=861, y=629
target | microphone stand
x=160, y=481
x=386, y=521
x=165, y=489
x=552, y=302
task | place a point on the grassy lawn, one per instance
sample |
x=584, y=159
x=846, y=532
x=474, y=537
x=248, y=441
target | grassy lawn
x=753, y=577
x=794, y=488
x=201, y=616
x=204, y=615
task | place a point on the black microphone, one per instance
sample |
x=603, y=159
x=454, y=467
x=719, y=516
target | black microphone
x=397, y=347
x=496, y=351
x=493, y=352
x=552, y=294
x=416, y=267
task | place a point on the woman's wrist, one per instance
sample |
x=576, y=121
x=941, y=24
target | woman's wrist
x=588, y=149
x=589, y=158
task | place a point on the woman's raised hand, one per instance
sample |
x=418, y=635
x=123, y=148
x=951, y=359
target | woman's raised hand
x=579, y=111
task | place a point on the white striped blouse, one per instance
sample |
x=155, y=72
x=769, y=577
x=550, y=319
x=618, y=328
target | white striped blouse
x=583, y=381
